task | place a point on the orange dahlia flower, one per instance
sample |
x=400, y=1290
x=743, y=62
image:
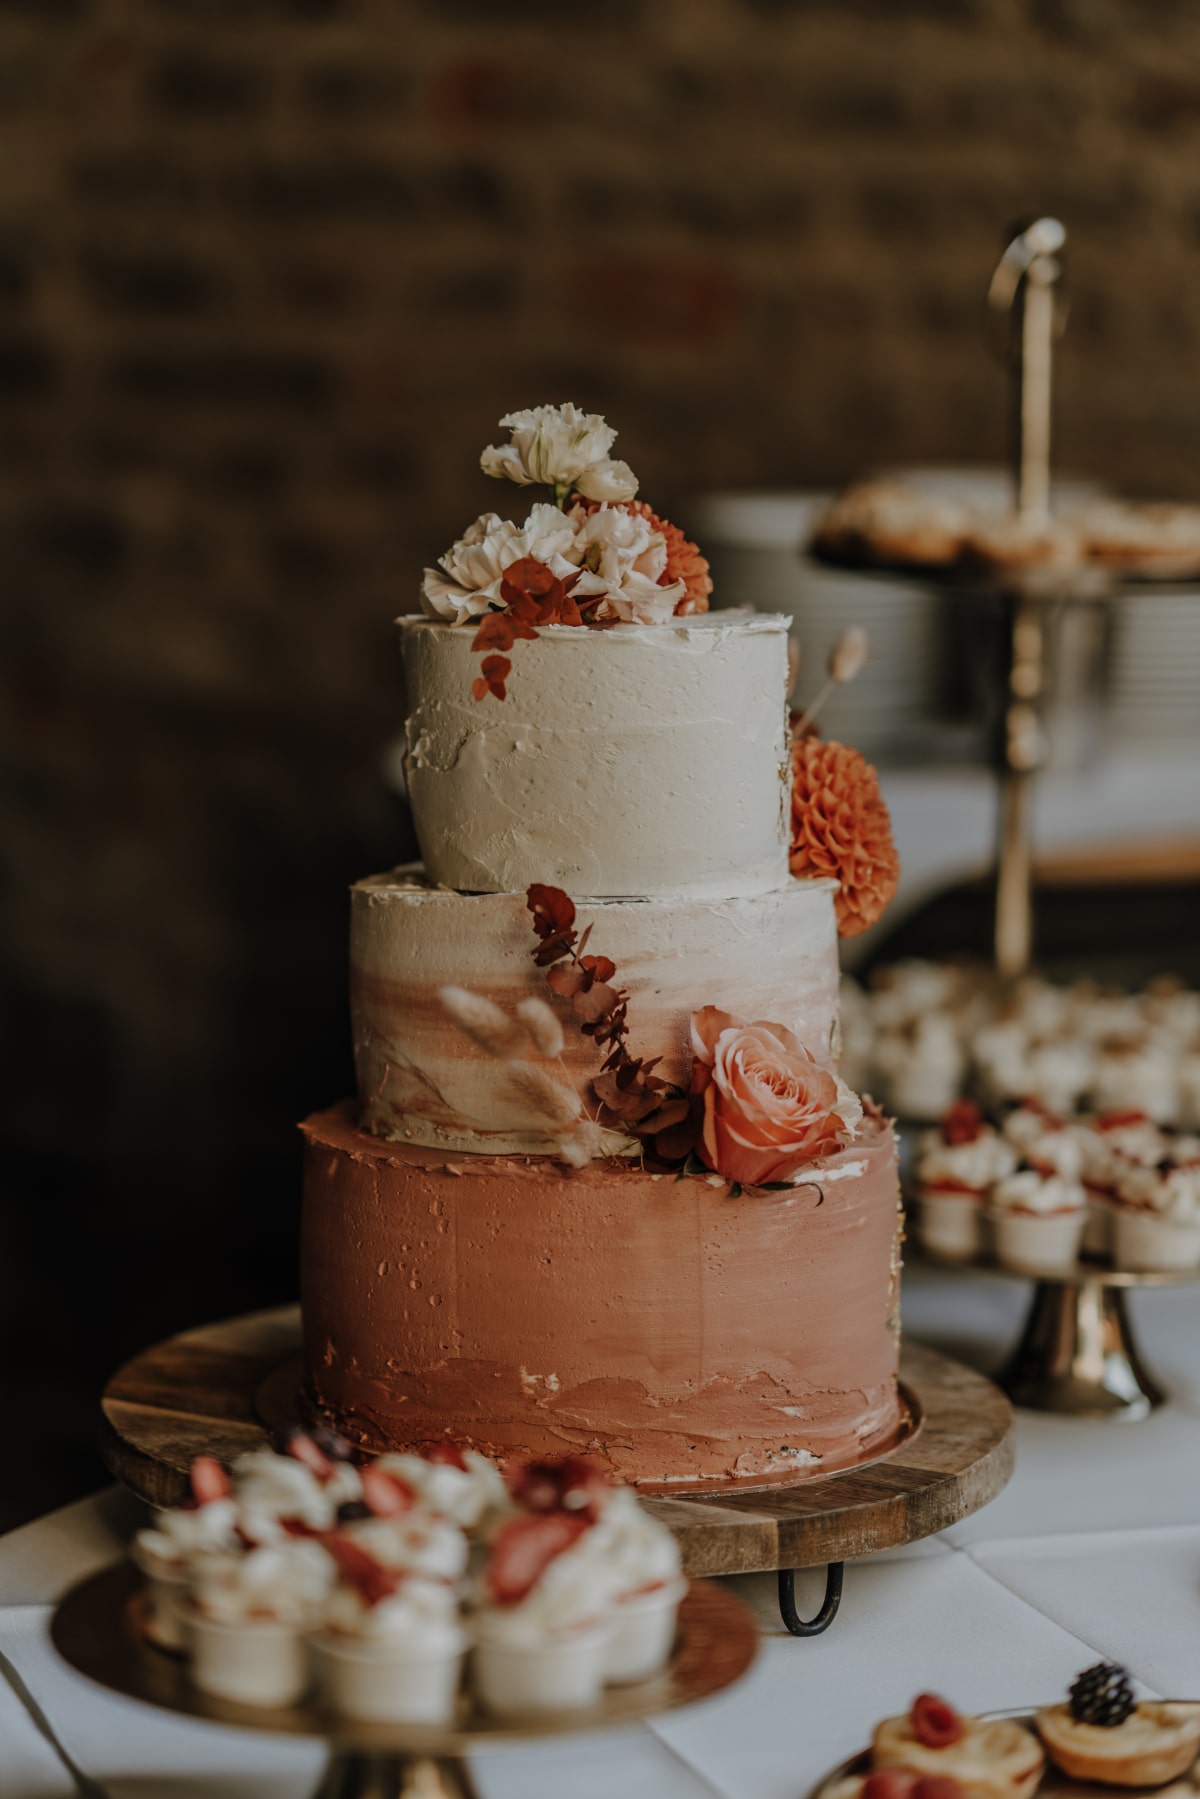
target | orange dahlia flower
x=840, y=827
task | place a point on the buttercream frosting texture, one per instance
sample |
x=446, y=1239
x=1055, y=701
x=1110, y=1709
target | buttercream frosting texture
x=642, y=760
x=421, y=1080
x=682, y=1335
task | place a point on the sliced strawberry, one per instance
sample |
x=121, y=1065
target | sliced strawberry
x=523, y=1549
x=1116, y=1121
x=574, y=1484
x=386, y=1494
x=937, y=1786
x=889, y=1783
x=209, y=1480
x=934, y=1722
x=370, y=1579
x=448, y=1453
x=963, y=1122
x=309, y=1454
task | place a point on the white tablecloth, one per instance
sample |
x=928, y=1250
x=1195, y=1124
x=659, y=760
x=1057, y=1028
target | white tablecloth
x=1093, y=1551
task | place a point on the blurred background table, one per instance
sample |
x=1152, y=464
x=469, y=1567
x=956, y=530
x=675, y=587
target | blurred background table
x=1088, y=1554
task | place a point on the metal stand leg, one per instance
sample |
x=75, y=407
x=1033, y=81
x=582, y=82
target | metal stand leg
x=812, y=1627
x=386, y=1776
x=1078, y=1356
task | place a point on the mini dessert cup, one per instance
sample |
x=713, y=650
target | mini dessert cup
x=390, y=1682
x=1037, y=1242
x=166, y=1591
x=1148, y=1242
x=564, y=1672
x=257, y=1661
x=1097, y=1240
x=643, y=1633
x=951, y=1224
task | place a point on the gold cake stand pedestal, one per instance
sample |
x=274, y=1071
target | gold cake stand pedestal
x=226, y=1388
x=97, y=1630
x=1078, y=1354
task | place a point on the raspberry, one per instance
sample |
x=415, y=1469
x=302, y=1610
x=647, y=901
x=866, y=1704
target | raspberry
x=889, y=1783
x=935, y=1723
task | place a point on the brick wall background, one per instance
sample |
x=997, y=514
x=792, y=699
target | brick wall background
x=270, y=270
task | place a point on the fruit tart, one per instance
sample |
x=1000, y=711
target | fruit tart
x=988, y=1758
x=1102, y=1733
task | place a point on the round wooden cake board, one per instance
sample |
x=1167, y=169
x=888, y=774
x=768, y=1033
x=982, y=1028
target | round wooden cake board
x=222, y=1389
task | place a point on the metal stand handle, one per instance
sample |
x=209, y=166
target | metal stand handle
x=812, y=1627
x=387, y=1776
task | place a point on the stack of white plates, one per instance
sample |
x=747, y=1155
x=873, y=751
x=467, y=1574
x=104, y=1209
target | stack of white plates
x=755, y=542
x=1155, y=683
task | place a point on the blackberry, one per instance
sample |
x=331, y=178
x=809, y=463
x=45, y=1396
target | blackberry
x=351, y=1510
x=1102, y=1695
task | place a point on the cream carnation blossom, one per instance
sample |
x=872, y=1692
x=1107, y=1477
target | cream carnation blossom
x=623, y=557
x=467, y=581
x=562, y=448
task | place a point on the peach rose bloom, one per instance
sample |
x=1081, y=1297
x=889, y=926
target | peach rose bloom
x=769, y=1107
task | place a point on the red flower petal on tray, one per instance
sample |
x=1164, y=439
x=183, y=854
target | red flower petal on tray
x=523, y=1549
x=963, y=1123
x=370, y=1579
x=935, y=1723
x=209, y=1480
x=386, y=1494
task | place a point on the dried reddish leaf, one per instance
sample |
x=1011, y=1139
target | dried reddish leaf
x=598, y=967
x=495, y=671
x=523, y=1549
x=553, y=910
x=554, y=949
x=495, y=632
x=593, y=1003
x=566, y=979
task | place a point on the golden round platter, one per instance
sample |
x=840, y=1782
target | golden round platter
x=1053, y=1782
x=97, y=1630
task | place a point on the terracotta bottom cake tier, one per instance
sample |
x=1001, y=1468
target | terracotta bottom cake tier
x=682, y=1335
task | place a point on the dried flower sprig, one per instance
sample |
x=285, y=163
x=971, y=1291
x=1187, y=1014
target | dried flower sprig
x=846, y=661
x=650, y=1108
x=533, y=596
x=558, y=1108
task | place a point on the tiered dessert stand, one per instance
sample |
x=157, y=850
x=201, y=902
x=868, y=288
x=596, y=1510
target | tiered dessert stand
x=227, y=1388
x=97, y=1630
x=1077, y=1353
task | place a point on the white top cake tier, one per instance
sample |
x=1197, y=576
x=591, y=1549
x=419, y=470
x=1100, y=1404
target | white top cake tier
x=641, y=760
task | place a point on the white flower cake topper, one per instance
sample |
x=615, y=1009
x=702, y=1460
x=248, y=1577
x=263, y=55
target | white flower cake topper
x=564, y=449
x=467, y=581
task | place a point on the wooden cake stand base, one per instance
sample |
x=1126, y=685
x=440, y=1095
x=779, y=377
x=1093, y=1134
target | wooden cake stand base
x=226, y=1388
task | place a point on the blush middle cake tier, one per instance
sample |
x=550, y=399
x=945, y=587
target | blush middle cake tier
x=420, y=1080
x=681, y=1334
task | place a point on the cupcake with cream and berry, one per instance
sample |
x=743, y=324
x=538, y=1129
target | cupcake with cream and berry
x=988, y=1758
x=393, y=1525
x=1139, y=1073
x=459, y=1484
x=1156, y=1218
x=642, y=1557
x=1037, y=1221
x=167, y=1551
x=306, y=1484
x=1103, y=1734
x=247, y=1616
x=921, y=1065
x=1111, y=1143
x=544, y=1620
x=391, y=1643
x=957, y=1166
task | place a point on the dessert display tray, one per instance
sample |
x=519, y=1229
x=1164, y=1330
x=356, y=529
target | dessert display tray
x=1078, y=1355
x=1053, y=1781
x=96, y=1630
x=221, y=1390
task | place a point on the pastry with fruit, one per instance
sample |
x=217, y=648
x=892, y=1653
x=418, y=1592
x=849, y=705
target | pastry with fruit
x=988, y=1758
x=1102, y=1733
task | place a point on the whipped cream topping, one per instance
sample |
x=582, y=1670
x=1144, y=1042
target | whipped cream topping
x=420, y=1612
x=1143, y=1077
x=269, y=1488
x=1171, y=1193
x=576, y=1591
x=464, y=1495
x=976, y=1165
x=644, y=1553
x=1044, y=1143
x=418, y=1542
x=1182, y=1150
x=169, y=1548
x=1029, y=1191
x=1107, y=1151
x=282, y=1583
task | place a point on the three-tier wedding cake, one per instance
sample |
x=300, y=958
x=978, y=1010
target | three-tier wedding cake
x=602, y=1189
